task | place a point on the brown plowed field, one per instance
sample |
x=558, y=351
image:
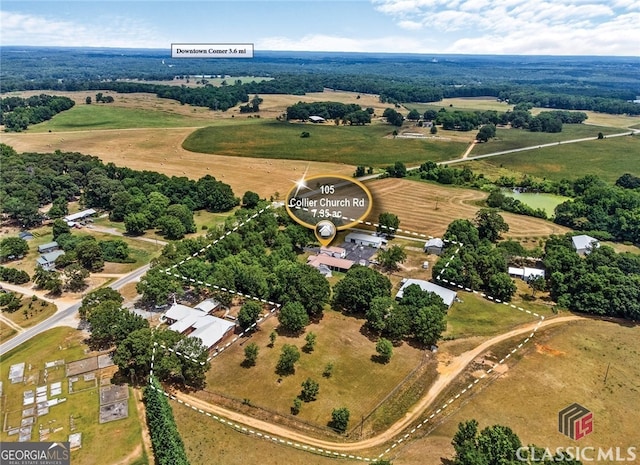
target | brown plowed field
x=415, y=204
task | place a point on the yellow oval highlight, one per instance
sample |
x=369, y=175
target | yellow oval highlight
x=339, y=199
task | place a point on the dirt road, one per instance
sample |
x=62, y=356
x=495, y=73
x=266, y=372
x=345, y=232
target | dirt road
x=445, y=378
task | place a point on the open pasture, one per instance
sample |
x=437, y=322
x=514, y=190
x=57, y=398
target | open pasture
x=561, y=365
x=429, y=208
x=353, y=145
x=607, y=158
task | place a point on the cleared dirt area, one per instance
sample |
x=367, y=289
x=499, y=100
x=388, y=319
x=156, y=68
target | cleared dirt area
x=566, y=364
x=415, y=204
x=161, y=150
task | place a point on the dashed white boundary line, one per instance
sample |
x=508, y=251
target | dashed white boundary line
x=275, y=306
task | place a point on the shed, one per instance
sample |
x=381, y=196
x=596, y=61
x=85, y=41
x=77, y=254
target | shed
x=434, y=245
x=80, y=215
x=584, y=244
x=48, y=247
x=367, y=240
x=448, y=296
x=525, y=273
x=316, y=119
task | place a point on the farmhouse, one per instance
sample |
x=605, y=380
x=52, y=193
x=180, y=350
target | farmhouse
x=48, y=247
x=316, y=119
x=447, y=296
x=47, y=261
x=337, y=252
x=434, y=246
x=525, y=272
x=197, y=322
x=584, y=244
x=331, y=262
x=367, y=240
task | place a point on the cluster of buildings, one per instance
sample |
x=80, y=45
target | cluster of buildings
x=48, y=254
x=199, y=322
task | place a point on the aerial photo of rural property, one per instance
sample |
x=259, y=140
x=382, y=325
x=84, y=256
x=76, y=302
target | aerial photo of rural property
x=319, y=232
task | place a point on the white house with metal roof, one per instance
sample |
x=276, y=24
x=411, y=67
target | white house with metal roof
x=197, y=322
x=584, y=244
x=448, y=296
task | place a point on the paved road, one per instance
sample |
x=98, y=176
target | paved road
x=63, y=313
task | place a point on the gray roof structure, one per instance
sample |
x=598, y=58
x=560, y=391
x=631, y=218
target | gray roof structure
x=584, y=242
x=447, y=295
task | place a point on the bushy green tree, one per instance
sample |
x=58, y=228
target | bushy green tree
x=384, y=348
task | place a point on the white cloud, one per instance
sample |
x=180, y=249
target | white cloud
x=114, y=31
x=559, y=27
x=327, y=43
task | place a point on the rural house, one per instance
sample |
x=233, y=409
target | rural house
x=337, y=252
x=333, y=263
x=448, y=296
x=48, y=260
x=584, y=244
x=197, y=322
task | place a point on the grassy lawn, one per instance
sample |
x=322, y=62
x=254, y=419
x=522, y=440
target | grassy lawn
x=608, y=158
x=207, y=441
x=563, y=365
x=66, y=344
x=32, y=312
x=83, y=117
x=547, y=202
x=6, y=331
x=508, y=139
x=357, y=383
x=361, y=145
x=477, y=316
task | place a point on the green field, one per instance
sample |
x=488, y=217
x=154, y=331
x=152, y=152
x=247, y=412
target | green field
x=352, y=145
x=477, y=316
x=85, y=117
x=508, y=139
x=608, y=158
x=65, y=343
x=547, y=202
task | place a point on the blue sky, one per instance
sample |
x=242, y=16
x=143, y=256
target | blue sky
x=549, y=27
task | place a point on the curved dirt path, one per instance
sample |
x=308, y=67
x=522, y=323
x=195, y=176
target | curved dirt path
x=445, y=378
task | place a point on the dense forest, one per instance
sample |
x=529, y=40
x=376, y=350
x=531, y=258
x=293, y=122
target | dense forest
x=18, y=113
x=142, y=199
x=602, y=283
x=605, y=84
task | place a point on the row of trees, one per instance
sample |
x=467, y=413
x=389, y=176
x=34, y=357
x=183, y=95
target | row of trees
x=168, y=448
x=14, y=275
x=326, y=110
x=18, y=113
